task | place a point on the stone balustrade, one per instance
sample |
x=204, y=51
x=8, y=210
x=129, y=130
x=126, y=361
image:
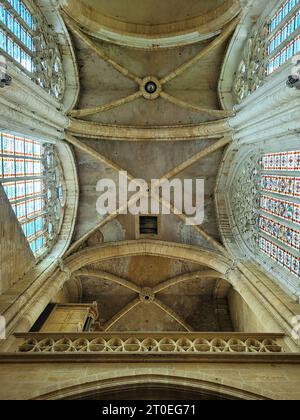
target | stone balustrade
x=196, y=343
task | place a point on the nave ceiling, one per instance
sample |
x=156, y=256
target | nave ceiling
x=112, y=76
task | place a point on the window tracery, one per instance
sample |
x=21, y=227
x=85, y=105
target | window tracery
x=32, y=178
x=252, y=69
x=245, y=200
x=27, y=40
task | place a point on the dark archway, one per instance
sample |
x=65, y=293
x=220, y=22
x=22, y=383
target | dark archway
x=150, y=392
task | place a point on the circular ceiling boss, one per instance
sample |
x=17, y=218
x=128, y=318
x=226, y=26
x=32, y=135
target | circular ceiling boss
x=151, y=87
x=147, y=295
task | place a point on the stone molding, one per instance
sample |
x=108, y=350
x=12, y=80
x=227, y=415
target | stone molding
x=93, y=130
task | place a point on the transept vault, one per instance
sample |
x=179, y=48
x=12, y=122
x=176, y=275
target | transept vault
x=143, y=306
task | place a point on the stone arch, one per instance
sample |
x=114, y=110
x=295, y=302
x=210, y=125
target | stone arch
x=147, y=36
x=202, y=256
x=203, y=384
x=258, y=296
x=224, y=265
x=65, y=43
x=69, y=170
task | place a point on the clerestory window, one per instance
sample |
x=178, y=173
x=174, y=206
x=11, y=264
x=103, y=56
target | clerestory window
x=271, y=44
x=32, y=178
x=27, y=40
x=284, y=30
x=279, y=219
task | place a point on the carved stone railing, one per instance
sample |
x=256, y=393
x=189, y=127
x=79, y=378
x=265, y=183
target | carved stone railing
x=137, y=343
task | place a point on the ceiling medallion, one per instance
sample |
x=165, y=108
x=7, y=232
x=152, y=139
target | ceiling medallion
x=151, y=87
x=147, y=295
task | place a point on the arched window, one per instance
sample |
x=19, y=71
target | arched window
x=32, y=178
x=264, y=204
x=28, y=41
x=279, y=218
x=271, y=44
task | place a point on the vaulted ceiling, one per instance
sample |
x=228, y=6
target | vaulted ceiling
x=152, y=23
x=147, y=293
x=120, y=45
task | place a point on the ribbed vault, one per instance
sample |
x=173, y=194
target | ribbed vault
x=155, y=285
x=154, y=113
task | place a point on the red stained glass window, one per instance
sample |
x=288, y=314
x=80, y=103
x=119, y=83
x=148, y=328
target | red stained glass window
x=283, y=185
x=279, y=219
x=288, y=161
x=280, y=255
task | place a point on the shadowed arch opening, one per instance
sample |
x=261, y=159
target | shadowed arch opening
x=224, y=265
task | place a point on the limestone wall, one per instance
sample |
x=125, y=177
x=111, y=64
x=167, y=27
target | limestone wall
x=16, y=258
x=243, y=318
x=50, y=381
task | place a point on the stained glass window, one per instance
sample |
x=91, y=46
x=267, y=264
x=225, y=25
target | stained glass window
x=17, y=28
x=289, y=161
x=285, y=185
x=284, y=29
x=272, y=43
x=281, y=232
x=28, y=41
x=284, y=10
x=32, y=180
x=283, y=209
x=279, y=203
x=280, y=255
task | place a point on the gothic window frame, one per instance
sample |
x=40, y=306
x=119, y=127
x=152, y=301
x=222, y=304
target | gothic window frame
x=246, y=206
x=32, y=177
x=28, y=41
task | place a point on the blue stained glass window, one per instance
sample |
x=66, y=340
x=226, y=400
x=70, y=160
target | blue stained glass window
x=24, y=168
x=286, y=8
x=23, y=12
x=34, y=50
x=285, y=37
x=16, y=33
